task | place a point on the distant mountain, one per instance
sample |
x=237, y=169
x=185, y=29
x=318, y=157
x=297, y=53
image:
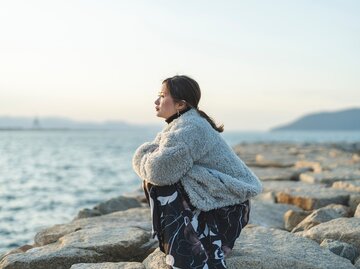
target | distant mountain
x=7, y=122
x=344, y=120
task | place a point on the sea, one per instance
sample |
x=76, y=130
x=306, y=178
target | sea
x=47, y=176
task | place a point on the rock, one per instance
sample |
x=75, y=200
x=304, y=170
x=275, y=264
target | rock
x=322, y=215
x=294, y=217
x=119, y=236
x=339, y=174
x=357, y=212
x=342, y=249
x=278, y=174
x=312, y=166
x=115, y=204
x=109, y=265
x=357, y=263
x=269, y=214
x=312, y=198
x=341, y=229
x=354, y=201
x=155, y=260
x=135, y=217
x=261, y=247
x=265, y=197
x=353, y=186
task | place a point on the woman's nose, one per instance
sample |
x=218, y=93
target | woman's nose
x=156, y=101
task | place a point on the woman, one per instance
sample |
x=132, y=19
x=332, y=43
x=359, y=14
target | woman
x=197, y=187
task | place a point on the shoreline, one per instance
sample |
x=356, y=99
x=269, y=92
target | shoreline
x=301, y=180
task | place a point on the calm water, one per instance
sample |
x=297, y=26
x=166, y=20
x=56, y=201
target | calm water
x=46, y=177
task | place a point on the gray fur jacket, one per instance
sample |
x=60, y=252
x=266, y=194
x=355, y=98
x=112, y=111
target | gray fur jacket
x=189, y=150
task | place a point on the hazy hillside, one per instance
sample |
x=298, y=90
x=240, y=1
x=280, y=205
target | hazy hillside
x=340, y=120
x=7, y=122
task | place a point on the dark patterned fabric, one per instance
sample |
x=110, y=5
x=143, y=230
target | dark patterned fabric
x=191, y=238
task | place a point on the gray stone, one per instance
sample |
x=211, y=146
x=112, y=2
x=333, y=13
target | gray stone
x=115, y=204
x=339, y=174
x=353, y=186
x=135, y=217
x=341, y=229
x=109, y=265
x=278, y=174
x=312, y=198
x=357, y=212
x=265, y=197
x=294, y=217
x=354, y=201
x=322, y=215
x=269, y=214
x=342, y=249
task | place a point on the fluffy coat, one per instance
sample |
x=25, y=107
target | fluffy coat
x=189, y=150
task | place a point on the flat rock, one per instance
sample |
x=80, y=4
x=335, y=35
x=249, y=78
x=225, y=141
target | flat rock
x=309, y=198
x=330, y=177
x=137, y=217
x=278, y=174
x=261, y=247
x=109, y=265
x=269, y=214
x=341, y=229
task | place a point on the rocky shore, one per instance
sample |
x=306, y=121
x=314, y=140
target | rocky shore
x=308, y=217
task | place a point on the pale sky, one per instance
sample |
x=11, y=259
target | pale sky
x=259, y=63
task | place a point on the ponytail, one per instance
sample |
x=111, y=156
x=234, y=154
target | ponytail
x=220, y=128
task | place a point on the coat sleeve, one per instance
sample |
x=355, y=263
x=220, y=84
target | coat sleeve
x=173, y=158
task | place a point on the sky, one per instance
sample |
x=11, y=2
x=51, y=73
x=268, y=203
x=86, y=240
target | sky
x=259, y=64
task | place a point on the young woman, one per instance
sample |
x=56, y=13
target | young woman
x=198, y=189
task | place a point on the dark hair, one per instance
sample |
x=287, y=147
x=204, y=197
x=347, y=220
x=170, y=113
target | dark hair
x=187, y=89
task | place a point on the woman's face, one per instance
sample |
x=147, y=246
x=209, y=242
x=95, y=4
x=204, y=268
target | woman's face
x=165, y=105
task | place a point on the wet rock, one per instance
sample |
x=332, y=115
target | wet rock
x=322, y=215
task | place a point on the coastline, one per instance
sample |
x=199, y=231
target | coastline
x=310, y=204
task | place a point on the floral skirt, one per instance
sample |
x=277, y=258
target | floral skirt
x=191, y=238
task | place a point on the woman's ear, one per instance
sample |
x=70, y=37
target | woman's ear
x=181, y=105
